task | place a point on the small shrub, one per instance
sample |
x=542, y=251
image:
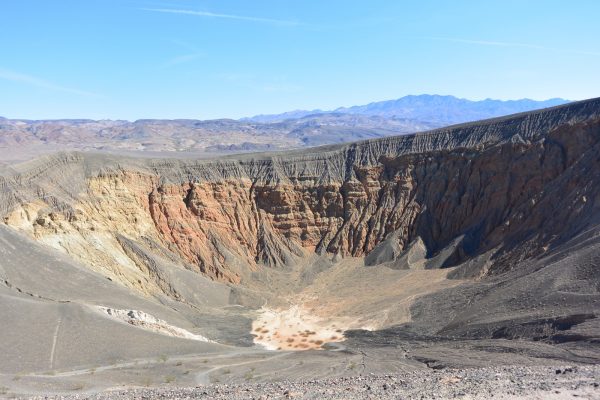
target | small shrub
x=78, y=387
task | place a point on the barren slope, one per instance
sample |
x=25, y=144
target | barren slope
x=484, y=230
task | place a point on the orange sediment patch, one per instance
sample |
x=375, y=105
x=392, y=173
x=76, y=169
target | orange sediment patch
x=295, y=329
x=330, y=305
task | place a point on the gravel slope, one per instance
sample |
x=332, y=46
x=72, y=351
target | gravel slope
x=558, y=382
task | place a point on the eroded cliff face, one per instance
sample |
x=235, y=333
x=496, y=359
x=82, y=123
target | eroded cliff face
x=509, y=188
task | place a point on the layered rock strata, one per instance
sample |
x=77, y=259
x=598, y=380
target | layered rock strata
x=508, y=188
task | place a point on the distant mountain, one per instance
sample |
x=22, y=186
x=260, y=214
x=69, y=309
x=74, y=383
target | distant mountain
x=23, y=139
x=283, y=117
x=434, y=109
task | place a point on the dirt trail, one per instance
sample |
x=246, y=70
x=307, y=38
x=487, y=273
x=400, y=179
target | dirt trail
x=148, y=362
x=203, y=378
x=54, y=340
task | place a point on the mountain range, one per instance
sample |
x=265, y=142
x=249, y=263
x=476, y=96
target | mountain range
x=435, y=109
x=21, y=140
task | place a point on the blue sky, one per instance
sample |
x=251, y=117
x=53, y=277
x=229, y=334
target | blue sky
x=130, y=59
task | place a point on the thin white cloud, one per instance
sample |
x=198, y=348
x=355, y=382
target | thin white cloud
x=187, y=46
x=217, y=15
x=252, y=82
x=41, y=83
x=235, y=77
x=181, y=60
x=514, y=44
x=280, y=88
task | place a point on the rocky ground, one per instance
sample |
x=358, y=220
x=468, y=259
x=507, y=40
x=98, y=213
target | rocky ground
x=433, y=255
x=557, y=382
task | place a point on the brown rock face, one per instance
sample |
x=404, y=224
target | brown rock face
x=484, y=195
x=512, y=186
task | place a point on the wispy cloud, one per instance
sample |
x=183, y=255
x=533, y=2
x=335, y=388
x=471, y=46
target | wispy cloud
x=181, y=60
x=186, y=45
x=191, y=53
x=280, y=87
x=14, y=76
x=515, y=44
x=218, y=15
x=277, y=84
x=235, y=76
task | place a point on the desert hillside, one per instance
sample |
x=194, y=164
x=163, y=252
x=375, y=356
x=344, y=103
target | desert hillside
x=458, y=238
